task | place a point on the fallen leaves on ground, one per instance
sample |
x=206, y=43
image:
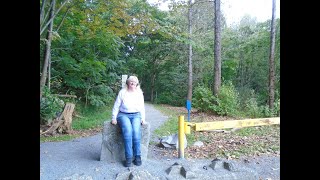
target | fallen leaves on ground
x=225, y=143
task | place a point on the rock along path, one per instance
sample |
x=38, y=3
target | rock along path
x=79, y=159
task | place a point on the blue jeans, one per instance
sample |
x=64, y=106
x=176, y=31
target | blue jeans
x=130, y=124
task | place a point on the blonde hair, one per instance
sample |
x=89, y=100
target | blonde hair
x=134, y=79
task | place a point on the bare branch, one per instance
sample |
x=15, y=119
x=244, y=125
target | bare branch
x=64, y=3
x=65, y=15
x=47, y=14
x=66, y=95
x=42, y=10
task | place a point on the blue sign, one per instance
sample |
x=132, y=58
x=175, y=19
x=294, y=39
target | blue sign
x=188, y=105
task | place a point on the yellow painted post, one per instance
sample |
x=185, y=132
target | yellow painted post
x=181, y=137
x=187, y=128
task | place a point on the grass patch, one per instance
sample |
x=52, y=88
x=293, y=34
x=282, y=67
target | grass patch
x=90, y=117
x=259, y=130
x=58, y=138
x=170, y=127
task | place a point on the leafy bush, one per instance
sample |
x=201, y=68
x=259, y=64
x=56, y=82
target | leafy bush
x=251, y=106
x=203, y=99
x=267, y=112
x=277, y=107
x=50, y=106
x=227, y=101
x=252, y=109
x=100, y=96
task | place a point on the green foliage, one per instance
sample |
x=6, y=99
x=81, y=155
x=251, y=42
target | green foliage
x=57, y=138
x=225, y=104
x=168, y=128
x=229, y=69
x=267, y=112
x=250, y=105
x=259, y=131
x=87, y=57
x=91, y=116
x=98, y=41
x=169, y=98
x=276, y=111
x=252, y=109
x=227, y=101
x=100, y=96
x=203, y=99
x=50, y=106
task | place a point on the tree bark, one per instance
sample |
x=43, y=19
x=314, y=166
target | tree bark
x=217, y=48
x=271, y=58
x=189, y=96
x=153, y=77
x=49, y=71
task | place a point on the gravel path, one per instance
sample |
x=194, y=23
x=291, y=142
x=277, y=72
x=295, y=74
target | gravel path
x=79, y=159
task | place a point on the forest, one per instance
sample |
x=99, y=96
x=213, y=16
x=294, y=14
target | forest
x=186, y=53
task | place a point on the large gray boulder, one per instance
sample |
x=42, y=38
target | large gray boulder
x=112, y=148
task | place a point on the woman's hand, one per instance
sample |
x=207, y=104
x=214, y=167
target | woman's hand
x=113, y=121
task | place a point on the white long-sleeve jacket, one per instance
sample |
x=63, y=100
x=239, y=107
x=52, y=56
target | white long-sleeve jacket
x=129, y=102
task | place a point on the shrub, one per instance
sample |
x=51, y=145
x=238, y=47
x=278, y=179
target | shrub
x=203, y=99
x=252, y=109
x=227, y=101
x=267, y=112
x=50, y=106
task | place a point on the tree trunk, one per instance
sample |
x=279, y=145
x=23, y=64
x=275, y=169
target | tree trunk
x=152, y=87
x=49, y=71
x=271, y=58
x=189, y=96
x=47, y=51
x=217, y=48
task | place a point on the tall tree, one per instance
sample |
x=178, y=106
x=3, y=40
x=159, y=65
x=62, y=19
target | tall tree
x=189, y=96
x=46, y=23
x=271, y=57
x=47, y=53
x=217, y=48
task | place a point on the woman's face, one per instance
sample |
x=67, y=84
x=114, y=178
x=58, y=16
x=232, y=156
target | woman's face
x=132, y=84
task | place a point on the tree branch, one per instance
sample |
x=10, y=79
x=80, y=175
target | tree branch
x=65, y=95
x=53, y=16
